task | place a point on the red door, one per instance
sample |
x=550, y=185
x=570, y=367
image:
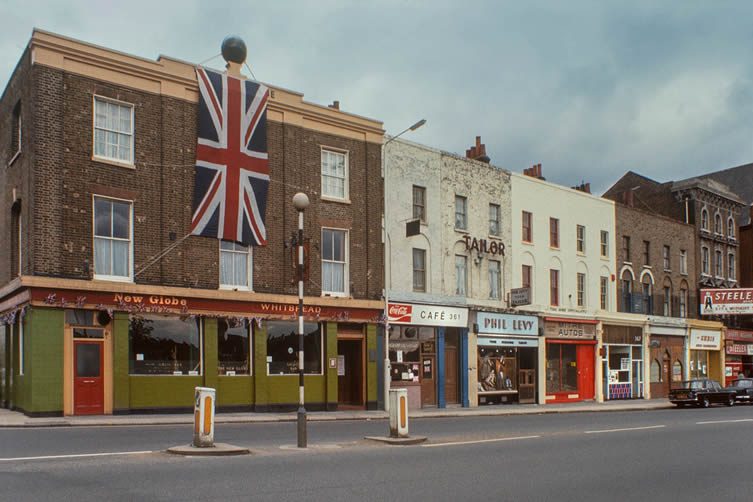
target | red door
x=585, y=362
x=88, y=382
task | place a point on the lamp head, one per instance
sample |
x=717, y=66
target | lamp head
x=300, y=201
x=417, y=124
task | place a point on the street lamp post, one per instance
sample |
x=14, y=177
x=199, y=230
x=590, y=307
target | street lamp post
x=300, y=202
x=387, y=377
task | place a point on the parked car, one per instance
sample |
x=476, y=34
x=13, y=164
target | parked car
x=743, y=389
x=701, y=392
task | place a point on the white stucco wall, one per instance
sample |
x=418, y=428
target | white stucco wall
x=572, y=208
x=443, y=175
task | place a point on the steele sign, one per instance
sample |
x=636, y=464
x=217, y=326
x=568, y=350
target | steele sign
x=726, y=301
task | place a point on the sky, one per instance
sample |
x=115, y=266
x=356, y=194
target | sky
x=589, y=89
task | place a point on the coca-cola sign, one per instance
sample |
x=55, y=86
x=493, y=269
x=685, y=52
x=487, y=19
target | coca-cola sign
x=427, y=315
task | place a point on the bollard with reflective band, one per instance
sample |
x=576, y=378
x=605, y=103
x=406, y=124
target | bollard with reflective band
x=399, y=413
x=203, y=416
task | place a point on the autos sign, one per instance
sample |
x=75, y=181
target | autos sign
x=726, y=301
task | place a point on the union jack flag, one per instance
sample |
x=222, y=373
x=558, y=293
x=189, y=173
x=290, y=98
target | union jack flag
x=232, y=172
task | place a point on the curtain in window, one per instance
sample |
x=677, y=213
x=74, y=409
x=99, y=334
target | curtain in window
x=102, y=254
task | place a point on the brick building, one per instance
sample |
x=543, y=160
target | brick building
x=97, y=265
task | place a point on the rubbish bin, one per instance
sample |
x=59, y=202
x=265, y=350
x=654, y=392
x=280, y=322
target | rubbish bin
x=399, y=413
x=203, y=417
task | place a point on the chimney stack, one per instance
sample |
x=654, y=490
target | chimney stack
x=583, y=187
x=335, y=104
x=478, y=152
x=534, y=172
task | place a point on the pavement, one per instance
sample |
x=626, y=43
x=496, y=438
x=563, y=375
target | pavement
x=15, y=419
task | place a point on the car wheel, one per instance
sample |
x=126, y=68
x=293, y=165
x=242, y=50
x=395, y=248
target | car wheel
x=705, y=403
x=731, y=400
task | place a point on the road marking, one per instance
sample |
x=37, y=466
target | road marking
x=79, y=455
x=725, y=421
x=627, y=429
x=479, y=441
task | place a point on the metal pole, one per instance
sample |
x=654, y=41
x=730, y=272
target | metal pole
x=301, y=406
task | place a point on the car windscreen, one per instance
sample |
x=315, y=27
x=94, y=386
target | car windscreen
x=692, y=384
x=744, y=384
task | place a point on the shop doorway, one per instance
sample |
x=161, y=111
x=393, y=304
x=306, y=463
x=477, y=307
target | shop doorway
x=428, y=380
x=585, y=362
x=350, y=373
x=88, y=377
x=451, y=368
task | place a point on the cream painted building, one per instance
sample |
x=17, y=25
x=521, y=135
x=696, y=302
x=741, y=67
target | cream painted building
x=456, y=264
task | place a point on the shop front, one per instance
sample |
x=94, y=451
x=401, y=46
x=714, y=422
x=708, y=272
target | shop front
x=668, y=343
x=622, y=361
x=507, y=358
x=570, y=359
x=738, y=348
x=137, y=349
x=427, y=349
x=705, y=354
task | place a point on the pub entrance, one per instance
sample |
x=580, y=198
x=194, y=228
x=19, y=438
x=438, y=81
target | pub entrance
x=351, y=362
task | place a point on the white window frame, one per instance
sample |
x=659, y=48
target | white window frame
x=249, y=267
x=718, y=263
x=580, y=240
x=422, y=191
x=131, y=161
x=104, y=277
x=683, y=261
x=667, y=302
x=667, y=258
x=604, y=292
x=731, y=270
x=580, y=286
x=731, y=227
x=458, y=291
x=683, y=303
x=718, y=226
x=705, y=260
x=498, y=280
x=604, y=244
x=705, y=219
x=346, y=179
x=464, y=212
x=497, y=220
x=413, y=256
x=346, y=272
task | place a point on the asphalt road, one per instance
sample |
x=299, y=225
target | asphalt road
x=665, y=454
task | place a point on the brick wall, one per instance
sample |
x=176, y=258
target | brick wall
x=161, y=188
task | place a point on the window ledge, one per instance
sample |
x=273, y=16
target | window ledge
x=495, y=237
x=15, y=156
x=669, y=270
x=580, y=253
x=648, y=267
x=334, y=295
x=554, y=248
x=112, y=278
x=462, y=230
x=527, y=243
x=113, y=162
x=338, y=200
x=226, y=287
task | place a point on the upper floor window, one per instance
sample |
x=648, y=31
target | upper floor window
x=731, y=227
x=461, y=274
x=665, y=257
x=666, y=304
x=626, y=247
x=604, y=292
x=580, y=235
x=334, y=174
x=495, y=279
x=15, y=132
x=718, y=266
x=717, y=224
x=527, y=227
x=683, y=302
x=646, y=253
x=235, y=266
x=705, y=268
x=554, y=287
x=419, y=203
x=494, y=217
x=704, y=219
x=581, y=284
x=683, y=261
x=112, y=239
x=731, y=267
x=604, y=243
x=334, y=261
x=554, y=232
x=526, y=276
x=461, y=212
x=419, y=269
x=113, y=130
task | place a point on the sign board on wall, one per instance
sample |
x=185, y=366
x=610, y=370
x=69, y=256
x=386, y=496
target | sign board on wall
x=562, y=329
x=427, y=315
x=520, y=296
x=726, y=301
x=702, y=339
x=506, y=324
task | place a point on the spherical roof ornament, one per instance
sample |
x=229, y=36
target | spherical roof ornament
x=234, y=49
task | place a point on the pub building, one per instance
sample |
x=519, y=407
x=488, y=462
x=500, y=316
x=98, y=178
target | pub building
x=668, y=344
x=738, y=349
x=507, y=361
x=570, y=358
x=111, y=298
x=428, y=347
x=622, y=355
x=705, y=354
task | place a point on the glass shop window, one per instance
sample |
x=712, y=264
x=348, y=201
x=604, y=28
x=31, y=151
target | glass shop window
x=407, y=343
x=561, y=368
x=282, y=348
x=161, y=345
x=233, y=347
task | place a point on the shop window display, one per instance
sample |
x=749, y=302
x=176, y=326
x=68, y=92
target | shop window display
x=282, y=348
x=161, y=345
x=407, y=343
x=561, y=368
x=497, y=369
x=233, y=347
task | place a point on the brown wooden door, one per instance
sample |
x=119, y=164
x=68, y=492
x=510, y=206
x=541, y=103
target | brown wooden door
x=666, y=367
x=350, y=381
x=88, y=380
x=451, y=375
x=585, y=362
x=428, y=381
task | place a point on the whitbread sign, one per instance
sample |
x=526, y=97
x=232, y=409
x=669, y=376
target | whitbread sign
x=726, y=301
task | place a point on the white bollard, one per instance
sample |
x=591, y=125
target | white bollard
x=399, y=413
x=203, y=417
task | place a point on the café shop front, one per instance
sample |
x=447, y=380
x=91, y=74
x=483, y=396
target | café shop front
x=738, y=348
x=77, y=347
x=428, y=351
x=570, y=357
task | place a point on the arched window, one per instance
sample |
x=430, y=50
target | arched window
x=704, y=219
x=655, y=371
x=648, y=294
x=731, y=227
x=717, y=223
x=677, y=371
